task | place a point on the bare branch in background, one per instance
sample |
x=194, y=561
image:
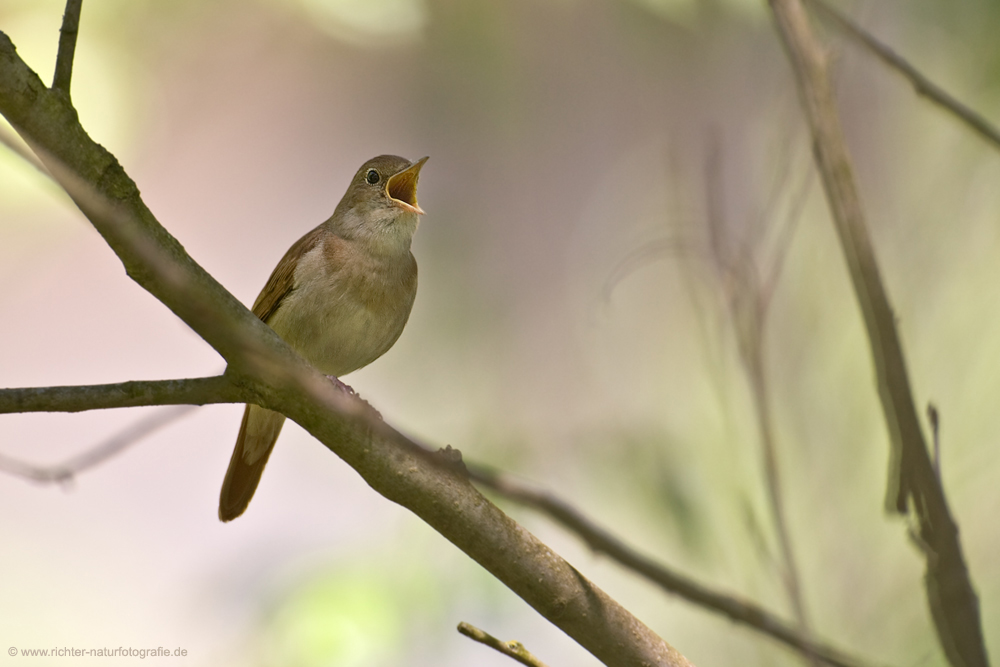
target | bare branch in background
x=512, y=649
x=747, y=307
x=646, y=253
x=952, y=599
x=785, y=232
x=921, y=83
x=747, y=297
x=67, y=46
x=602, y=542
x=92, y=456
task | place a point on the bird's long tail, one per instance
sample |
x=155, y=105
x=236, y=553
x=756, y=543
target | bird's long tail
x=258, y=433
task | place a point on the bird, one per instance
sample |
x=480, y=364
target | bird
x=339, y=297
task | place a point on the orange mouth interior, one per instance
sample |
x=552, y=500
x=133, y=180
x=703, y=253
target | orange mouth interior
x=402, y=187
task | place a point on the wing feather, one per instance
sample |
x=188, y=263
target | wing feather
x=282, y=280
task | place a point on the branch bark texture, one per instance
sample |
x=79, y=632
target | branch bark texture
x=195, y=391
x=272, y=375
x=953, y=602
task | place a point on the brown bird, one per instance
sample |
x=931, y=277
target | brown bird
x=340, y=297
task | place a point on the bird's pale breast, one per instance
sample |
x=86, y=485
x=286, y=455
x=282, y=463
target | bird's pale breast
x=347, y=307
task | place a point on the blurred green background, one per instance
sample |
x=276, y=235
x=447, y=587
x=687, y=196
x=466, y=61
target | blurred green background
x=565, y=136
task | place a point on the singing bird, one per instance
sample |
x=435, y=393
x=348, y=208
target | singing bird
x=340, y=297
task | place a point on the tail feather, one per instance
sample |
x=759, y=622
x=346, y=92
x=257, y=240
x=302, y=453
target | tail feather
x=258, y=432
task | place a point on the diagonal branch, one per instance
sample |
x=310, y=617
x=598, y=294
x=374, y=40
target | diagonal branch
x=273, y=376
x=951, y=597
x=196, y=391
x=921, y=83
x=67, y=46
x=601, y=541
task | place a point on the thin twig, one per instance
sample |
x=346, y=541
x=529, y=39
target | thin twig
x=192, y=391
x=66, y=471
x=601, y=541
x=747, y=308
x=921, y=83
x=645, y=254
x=67, y=46
x=754, y=366
x=511, y=649
x=952, y=599
x=794, y=214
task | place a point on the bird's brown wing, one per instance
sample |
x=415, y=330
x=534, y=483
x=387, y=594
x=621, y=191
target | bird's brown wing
x=282, y=280
x=260, y=427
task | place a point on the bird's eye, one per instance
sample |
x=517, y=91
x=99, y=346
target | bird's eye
x=372, y=177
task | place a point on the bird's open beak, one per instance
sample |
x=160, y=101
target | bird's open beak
x=402, y=187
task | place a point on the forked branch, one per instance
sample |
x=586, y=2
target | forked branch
x=923, y=85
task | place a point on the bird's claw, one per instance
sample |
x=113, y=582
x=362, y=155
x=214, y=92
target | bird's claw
x=349, y=390
x=342, y=386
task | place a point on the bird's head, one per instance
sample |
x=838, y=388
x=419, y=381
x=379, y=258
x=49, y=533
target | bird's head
x=380, y=204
